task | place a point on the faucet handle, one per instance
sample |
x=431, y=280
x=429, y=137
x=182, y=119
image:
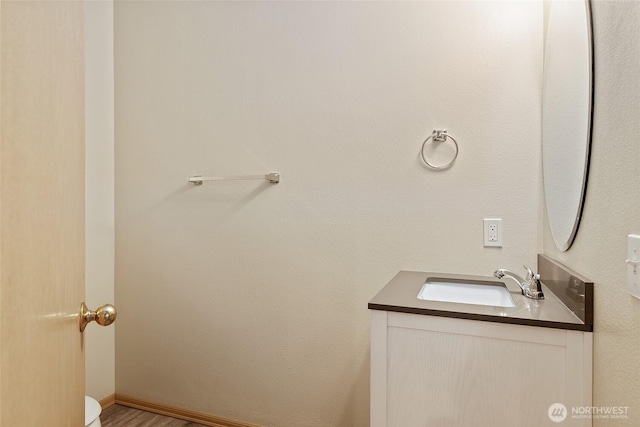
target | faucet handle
x=533, y=284
x=530, y=274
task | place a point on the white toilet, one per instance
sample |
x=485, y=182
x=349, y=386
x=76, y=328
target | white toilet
x=92, y=411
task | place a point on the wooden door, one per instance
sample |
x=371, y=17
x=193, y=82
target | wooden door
x=41, y=213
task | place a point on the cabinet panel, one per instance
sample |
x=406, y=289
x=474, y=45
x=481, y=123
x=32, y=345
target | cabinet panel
x=443, y=379
x=436, y=371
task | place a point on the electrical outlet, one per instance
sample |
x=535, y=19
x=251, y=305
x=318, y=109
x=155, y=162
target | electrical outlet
x=493, y=232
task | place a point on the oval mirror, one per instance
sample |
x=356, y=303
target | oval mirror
x=566, y=115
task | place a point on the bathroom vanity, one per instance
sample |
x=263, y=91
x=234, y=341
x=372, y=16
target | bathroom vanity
x=444, y=364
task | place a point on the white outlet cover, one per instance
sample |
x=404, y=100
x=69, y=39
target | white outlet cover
x=633, y=265
x=497, y=242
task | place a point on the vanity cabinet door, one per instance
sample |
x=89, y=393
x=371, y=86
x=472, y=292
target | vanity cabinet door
x=438, y=371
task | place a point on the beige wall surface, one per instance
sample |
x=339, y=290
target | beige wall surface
x=99, y=163
x=248, y=300
x=612, y=207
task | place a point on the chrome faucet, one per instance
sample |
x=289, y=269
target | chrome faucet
x=530, y=285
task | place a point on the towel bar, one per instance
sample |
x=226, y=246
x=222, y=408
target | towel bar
x=272, y=177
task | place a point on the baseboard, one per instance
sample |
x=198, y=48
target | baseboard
x=180, y=413
x=108, y=402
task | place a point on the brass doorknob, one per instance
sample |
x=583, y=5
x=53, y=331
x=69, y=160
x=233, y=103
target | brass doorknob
x=104, y=315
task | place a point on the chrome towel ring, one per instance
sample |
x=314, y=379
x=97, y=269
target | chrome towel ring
x=439, y=136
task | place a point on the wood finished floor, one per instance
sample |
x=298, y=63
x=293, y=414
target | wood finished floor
x=122, y=416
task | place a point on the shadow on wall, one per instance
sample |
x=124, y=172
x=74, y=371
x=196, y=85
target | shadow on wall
x=225, y=198
x=358, y=395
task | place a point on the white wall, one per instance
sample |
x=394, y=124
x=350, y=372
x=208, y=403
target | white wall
x=612, y=207
x=249, y=300
x=99, y=233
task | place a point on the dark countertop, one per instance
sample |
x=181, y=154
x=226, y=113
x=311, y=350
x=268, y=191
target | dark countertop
x=400, y=295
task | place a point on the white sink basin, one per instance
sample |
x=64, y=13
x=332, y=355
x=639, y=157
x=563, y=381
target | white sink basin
x=466, y=292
